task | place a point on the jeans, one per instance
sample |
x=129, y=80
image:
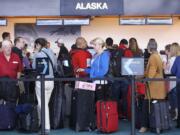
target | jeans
x=172, y=96
x=145, y=114
x=178, y=99
x=119, y=92
x=49, y=85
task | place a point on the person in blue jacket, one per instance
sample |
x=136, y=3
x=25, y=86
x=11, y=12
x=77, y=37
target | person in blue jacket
x=99, y=68
x=176, y=71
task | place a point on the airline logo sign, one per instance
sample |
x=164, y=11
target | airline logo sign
x=132, y=66
x=91, y=7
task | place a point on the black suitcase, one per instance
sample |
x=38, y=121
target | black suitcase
x=7, y=115
x=160, y=118
x=57, y=106
x=83, y=110
x=9, y=90
x=68, y=95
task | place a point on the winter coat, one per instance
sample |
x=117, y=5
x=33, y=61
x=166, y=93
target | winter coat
x=154, y=69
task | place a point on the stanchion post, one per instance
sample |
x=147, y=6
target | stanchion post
x=43, y=132
x=133, y=105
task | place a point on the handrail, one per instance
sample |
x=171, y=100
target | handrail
x=90, y=79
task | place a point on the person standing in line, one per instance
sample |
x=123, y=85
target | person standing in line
x=133, y=46
x=43, y=51
x=10, y=67
x=172, y=93
x=99, y=68
x=157, y=90
x=8, y=70
x=80, y=57
x=175, y=70
x=5, y=36
x=18, y=47
x=64, y=59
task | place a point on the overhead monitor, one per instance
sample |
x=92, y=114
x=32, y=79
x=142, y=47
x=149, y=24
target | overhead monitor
x=159, y=21
x=49, y=22
x=132, y=21
x=3, y=22
x=85, y=21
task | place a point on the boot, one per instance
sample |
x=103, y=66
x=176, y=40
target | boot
x=178, y=123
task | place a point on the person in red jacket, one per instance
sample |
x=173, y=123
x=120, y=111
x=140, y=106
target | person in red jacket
x=80, y=57
x=124, y=46
x=10, y=63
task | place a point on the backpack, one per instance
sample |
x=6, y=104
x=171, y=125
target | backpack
x=64, y=66
x=28, y=120
x=115, y=62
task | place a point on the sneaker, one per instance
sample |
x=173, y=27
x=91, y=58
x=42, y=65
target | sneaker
x=143, y=130
x=47, y=131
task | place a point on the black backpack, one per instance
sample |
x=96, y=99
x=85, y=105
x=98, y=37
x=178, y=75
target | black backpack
x=64, y=67
x=115, y=62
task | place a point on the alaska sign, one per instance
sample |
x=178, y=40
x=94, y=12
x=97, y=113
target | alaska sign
x=91, y=7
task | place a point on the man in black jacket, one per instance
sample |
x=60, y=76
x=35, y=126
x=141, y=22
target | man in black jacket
x=19, y=44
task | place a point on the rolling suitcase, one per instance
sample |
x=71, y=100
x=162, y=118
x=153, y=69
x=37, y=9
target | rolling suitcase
x=159, y=116
x=57, y=106
x=68, y=94
x=107, y=116
x=83, y=110
x=7, y=115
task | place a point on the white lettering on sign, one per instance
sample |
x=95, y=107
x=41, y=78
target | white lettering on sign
x=91, y=6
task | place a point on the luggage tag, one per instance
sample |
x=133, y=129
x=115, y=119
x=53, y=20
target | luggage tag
x=85, y=85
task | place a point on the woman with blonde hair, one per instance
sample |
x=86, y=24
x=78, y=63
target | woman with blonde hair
x=171, y=53
x=99, y=67
x=176, y=71
x=172, y=95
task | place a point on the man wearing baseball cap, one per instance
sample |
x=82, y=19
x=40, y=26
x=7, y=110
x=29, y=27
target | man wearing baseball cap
x=59, y=42
x=64, y=58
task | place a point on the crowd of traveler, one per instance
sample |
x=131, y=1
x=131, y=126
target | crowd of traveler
x=94, y=61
